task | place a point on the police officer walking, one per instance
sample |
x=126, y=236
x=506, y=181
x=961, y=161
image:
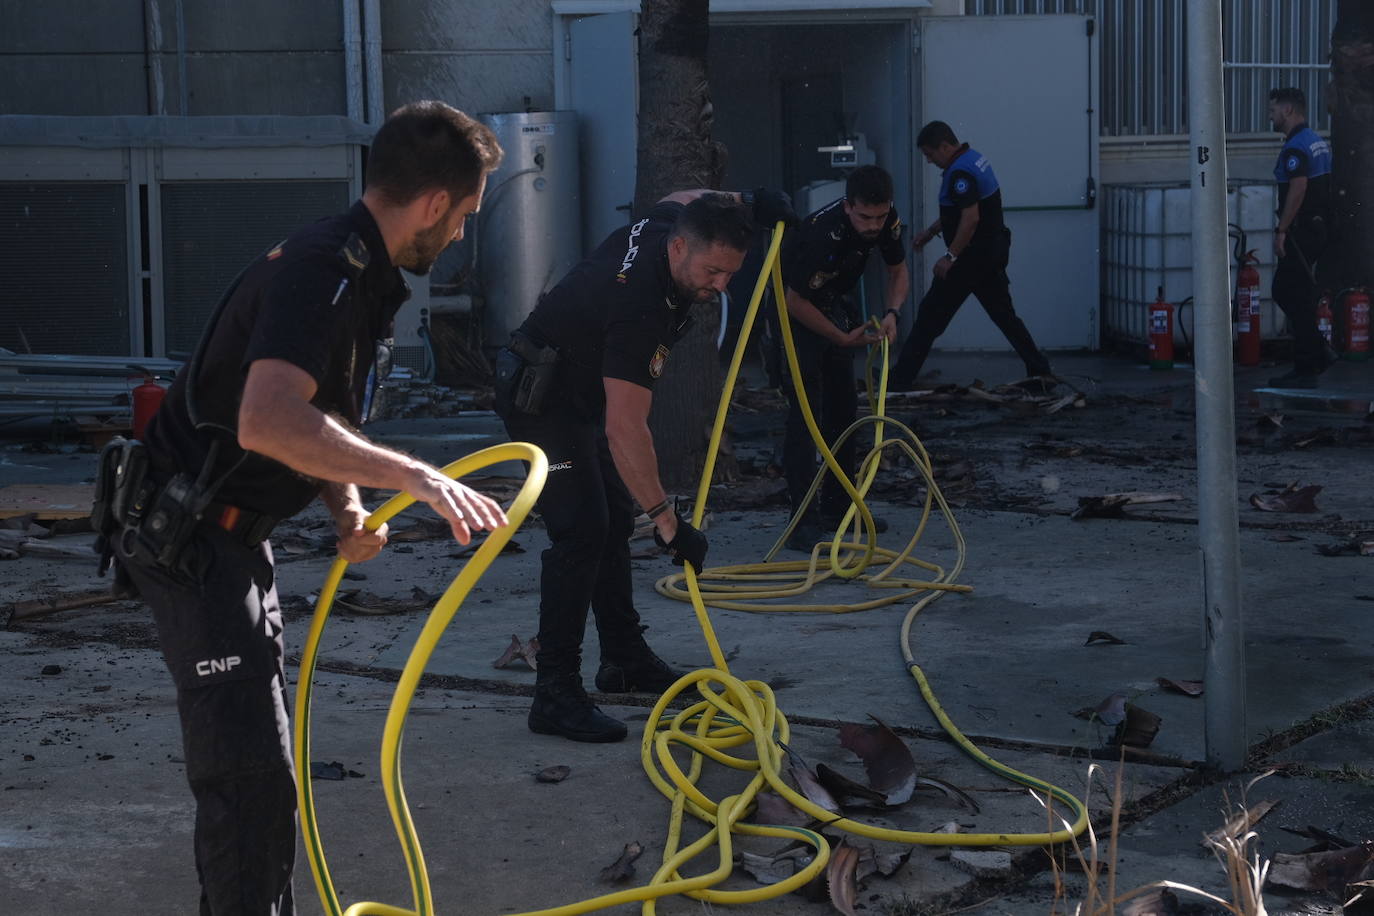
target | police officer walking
x=260, y=423
x=977, y=250
x=577, y=380
x=822, y=262
x=1303, y=173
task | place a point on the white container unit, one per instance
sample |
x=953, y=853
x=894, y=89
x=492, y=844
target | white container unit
x=1147, y=244
x=529, y=230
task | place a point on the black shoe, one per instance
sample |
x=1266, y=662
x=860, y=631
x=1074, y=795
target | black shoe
x=639, y=672
x=879, y=523
x=1294, y=379
x=806, y=535
x=561, y=707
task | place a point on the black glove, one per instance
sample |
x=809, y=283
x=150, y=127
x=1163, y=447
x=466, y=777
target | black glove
x=688, y=545
x=771, y=206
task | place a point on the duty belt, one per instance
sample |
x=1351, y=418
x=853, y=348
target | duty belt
x=252, y=528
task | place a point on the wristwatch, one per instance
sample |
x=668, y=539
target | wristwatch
x=951, y=255
x=895, y=313
x=746, y=198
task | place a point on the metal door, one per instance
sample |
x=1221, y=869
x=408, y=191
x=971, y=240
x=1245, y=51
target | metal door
x=1022, y=90
x=603, y=74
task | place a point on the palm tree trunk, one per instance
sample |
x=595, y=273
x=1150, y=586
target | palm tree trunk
x=675, y=153
x=1351, y=101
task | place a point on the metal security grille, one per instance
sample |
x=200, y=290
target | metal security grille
x=1144, y=73
x=212, y=229
x=64, y=268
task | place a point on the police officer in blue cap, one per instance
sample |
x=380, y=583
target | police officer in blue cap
x=977, y=248
x=1303, y=173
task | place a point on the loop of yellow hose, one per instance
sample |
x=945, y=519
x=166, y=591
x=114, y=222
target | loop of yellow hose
x=434, y=627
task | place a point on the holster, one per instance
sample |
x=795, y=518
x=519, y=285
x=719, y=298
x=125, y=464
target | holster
x=132, y=512
x=525, y=374
x=122, y=489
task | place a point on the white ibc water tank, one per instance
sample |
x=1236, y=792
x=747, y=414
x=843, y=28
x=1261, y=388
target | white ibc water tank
x=529, y=229
x=1147, y=244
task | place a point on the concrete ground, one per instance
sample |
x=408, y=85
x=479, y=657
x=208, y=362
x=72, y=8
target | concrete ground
x=95, y=816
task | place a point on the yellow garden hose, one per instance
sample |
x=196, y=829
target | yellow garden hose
x=731, y=713
x=434, y=628
x=734, y=712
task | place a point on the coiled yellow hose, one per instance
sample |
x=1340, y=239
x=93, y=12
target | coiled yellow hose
x=735, y=712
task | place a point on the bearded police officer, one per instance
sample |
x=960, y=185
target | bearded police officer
x=977, y=249
x=822, y=263
x=1303, y=173
x=259, y=424
x=577, y=380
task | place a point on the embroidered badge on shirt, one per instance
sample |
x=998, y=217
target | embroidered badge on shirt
x=897, y=228
x=820, y=278
x=656, y=362
x=961, y=186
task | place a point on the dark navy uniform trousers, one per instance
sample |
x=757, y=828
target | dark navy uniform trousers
x=1295, y=292
x=220, y=628
x=986, y=280
x=590, y=516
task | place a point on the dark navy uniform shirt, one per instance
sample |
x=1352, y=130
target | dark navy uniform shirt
x=969, y=181
x=1305, y=155
x=320, y=300
x=617, y=314
x=825, y=257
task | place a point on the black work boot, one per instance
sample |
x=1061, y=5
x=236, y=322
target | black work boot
x=561, y=707
x=806, y=535
x=635, y=670
x=834, y=517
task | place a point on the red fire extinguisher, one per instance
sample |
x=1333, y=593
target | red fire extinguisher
x=1355, y=310
x=1324, y=317
x=147, y=399
x=1161, y=333
x=1248, y=311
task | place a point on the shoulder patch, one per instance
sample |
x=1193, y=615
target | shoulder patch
x=657, y=361
x=820, y=278
x=1291, y=163
x=355, y=255
x=897, y=228
x=961, y=185
x=275, y=252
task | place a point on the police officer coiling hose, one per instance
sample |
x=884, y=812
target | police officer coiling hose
x=261, y=422
x=822, y=263
x=577, y=381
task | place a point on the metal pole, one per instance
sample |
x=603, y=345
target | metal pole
x=1218, y=526
x=372, y=61
x=353, y=60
